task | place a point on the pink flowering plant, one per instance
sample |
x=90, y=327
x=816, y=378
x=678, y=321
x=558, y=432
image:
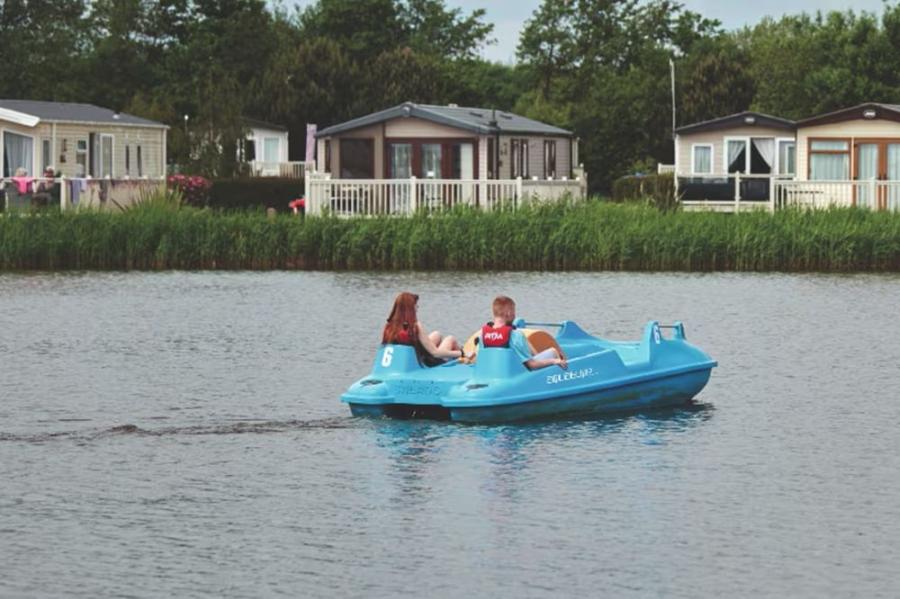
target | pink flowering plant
x=194, y=189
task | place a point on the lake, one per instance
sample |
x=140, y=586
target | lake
x=180, y=434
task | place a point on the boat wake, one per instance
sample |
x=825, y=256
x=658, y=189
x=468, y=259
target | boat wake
x=244, y=427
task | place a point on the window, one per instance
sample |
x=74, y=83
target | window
x=140, y=161
x=327, y=167
x=17, y=153
x=106, y=155
x=519, y=155
x=702, y=159
x=81, y=157
x=550, y=158
x=357, y=158
x=127, y=159
x=491, y=159
x=46, y=154
x=271, y=149
x=400, y=155
x=431, y=161
x=829, y=160
x=750, y=155
x=736, y=156
x=462, y=158
x=787, y=157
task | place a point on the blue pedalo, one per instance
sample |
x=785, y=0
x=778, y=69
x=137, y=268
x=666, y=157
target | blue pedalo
x=662, y=369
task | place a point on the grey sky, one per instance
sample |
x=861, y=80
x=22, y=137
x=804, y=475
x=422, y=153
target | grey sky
x=508, y=16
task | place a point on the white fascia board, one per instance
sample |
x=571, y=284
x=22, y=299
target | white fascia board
x=19, y=118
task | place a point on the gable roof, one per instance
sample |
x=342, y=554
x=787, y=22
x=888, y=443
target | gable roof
x=68, y=112
x=258, y=124
x=477, y=120
x=741, y=119
x=867, y=111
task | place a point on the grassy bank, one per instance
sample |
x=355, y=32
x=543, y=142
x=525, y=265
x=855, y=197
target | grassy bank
x=593, y=236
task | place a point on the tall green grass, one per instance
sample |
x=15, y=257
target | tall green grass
x=590, y=236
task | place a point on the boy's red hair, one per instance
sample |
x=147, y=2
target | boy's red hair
x=504, y=307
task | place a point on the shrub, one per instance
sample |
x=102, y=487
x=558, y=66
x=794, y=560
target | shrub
x=262, y=192
x=194, y=189
x=658, y=190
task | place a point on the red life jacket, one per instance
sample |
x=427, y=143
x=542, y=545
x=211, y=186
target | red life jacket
x=404, y=337
x=496, y=336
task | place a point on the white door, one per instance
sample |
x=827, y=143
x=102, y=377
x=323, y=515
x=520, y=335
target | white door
x=106, y=155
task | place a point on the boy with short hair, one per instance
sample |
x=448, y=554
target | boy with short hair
x=502, y=333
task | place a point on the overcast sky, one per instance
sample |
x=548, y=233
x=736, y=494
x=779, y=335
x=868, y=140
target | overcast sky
x=509, y=15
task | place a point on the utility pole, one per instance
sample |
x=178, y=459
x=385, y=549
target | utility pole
x=672, y=71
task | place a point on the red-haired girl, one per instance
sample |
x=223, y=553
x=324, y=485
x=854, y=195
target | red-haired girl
x=403, y=328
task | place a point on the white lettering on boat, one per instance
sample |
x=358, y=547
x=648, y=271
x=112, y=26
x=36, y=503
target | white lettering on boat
x=570, y=375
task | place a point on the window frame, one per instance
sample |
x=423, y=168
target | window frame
x=265, y=142
x=112, y=156
x=778, y=142
x=848, y=152
x=370, y=141
x=550, y=161
x=518, y=157
x=712, y=158
x=725, y=164
x=84, y=154
x=3, y=133
x=46, y=153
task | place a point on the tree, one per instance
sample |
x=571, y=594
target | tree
x=715, y=81
x=364, y=29
x=433, y=29
x=42, y=49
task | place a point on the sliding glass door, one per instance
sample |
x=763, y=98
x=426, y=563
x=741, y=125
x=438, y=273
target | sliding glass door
x=893, y=174
x=867, y=169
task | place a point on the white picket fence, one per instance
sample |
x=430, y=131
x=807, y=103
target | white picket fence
x=872, y=194
x=399, y=197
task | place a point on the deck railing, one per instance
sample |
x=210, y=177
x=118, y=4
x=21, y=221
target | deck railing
x=292, y=170
x=400, y=197
x=70, y=193
x=730, y=193
x=872, y=194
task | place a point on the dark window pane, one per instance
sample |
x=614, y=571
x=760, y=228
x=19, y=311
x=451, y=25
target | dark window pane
x=357, y=159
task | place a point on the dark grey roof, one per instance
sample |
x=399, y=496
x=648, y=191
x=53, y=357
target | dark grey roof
x=258, y=124
x=75, y=113
x=869, y=110
x=477, y=120
x=739, y=120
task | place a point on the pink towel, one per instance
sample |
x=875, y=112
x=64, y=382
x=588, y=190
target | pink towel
x=23, y=184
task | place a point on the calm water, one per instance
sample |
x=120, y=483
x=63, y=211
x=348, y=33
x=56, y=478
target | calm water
x=180, y=434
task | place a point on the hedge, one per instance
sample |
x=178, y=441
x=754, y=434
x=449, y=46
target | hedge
x=658, y=190
x=255, y=193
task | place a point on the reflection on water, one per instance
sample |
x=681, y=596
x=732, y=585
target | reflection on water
x=180, y=434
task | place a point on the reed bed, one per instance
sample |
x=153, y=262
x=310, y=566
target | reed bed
x=592, y=236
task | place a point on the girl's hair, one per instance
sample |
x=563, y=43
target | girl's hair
x=402, y=318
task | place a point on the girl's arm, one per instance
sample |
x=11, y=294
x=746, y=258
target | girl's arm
x=432, y=349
